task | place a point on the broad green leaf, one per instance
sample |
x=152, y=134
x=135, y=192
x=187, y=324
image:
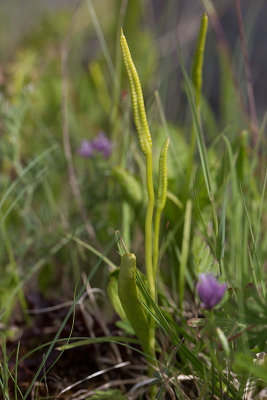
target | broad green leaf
x=128, y=295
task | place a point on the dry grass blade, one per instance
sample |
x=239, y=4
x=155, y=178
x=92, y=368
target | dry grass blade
x=84, y=394
x=94, y=375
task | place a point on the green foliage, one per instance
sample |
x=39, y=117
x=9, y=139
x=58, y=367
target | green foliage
x=212, y=218
x=112, y=289
x=203, y=259
x=130, y=186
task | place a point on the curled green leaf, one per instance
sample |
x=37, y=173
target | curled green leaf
x=112, y=290
x=131, y=305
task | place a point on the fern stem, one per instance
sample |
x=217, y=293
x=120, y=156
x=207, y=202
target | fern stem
x=148, y=225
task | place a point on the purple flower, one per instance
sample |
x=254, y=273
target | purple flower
x=87, y=149
x=210, y=290
x=100, y=144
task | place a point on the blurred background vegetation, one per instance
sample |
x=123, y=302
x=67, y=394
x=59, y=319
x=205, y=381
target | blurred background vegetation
x=62, y=81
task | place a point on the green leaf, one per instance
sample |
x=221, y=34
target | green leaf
x=104, y=339
x=112, y=290
x=128, y=295
x=126, y=327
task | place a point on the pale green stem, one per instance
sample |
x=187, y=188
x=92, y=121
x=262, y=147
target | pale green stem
x=190, y=161
x=185, y=250
x=156, y=241
x=215, y=219
x=126, y=222
x=161, y=200
x=148, y=225
x=148, y=246
x=155, y=265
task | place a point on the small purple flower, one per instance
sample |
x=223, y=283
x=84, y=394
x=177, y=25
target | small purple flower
x=100, y=144
x=86, y=150
x=210, y=290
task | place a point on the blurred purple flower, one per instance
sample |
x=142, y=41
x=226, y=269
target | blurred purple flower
x=87, y=149
x=101, y=144
x=210, y=290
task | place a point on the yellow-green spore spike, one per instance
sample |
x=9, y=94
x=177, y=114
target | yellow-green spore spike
x=140, y=118
x=128, y=295
x=199, y=58
x=163, y=178
x=161, y=200
x=134, y=100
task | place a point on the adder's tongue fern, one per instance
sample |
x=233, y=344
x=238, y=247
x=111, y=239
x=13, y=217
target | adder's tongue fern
x=146, y=146
x=142, y=128
x=143, y=324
